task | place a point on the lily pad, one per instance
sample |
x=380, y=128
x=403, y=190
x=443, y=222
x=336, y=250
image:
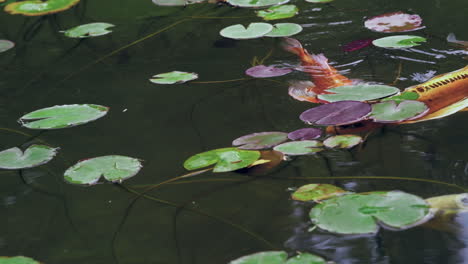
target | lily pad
x=6, y=45
x=226, y=159
x=39, y=8
x=305, y=134
x=319, y=1
x=296, y=148
x=262, y=71
x=342, y=141
x=390, y=111
x=358, y=93
x=254, y=30
x=173, y=77
x=357, y=45
x=262, y=140
x=394, y=22
x=402, y=97
x=399, y=42
x=278, y=12
x=337, y=113
x=114, y=168
x=256, y=3
x=33, y=156
x=176, y=2
x=307, y=258
x=88, y=30
x=279, y=257
x=63, y=116
x=363, y=213
x=18, y=260
x=316, y=192
x=284, y=30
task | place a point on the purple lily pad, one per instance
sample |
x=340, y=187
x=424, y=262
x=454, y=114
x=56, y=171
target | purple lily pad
x=262, y=71
x=357, y=45
x=262, y=140
x=337, y=113
x=394, y=22
x=305, y=134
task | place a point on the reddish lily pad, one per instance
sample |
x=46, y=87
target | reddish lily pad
x=342, y=141
x=262, y=140
x=357, y=45
x=394, y=22
x=316, y=192
x=262, y=71
x=39, y=7
x=305, y=134
x=337, y=113
x=390, y=111
x=297, y=148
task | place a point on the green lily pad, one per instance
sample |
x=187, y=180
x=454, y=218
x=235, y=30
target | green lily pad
x=342, y=141
x=114, y=168
x=262, y=140
x=173, y=77
x=18, y=260
x=319, y=1
x=398, y=42
x=33, y=156
x=278, y=12
x=390, y=111
x=302, y=147
x=284, y=30
x=254, y=30
x=6, y=45
x=63, y=116
x=88, y=30
x=226, y=159
x=39, y=7
x=307, y=258
x=361, y=93
x=316, y=192
x=176, y=2
x=267, y=257
x=363, y=213
x=402, y=97
x=256, y=3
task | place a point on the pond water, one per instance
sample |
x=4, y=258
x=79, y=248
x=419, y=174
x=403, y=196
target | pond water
x=215, y=217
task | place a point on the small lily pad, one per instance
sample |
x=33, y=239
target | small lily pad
x=305, y=134
x=254, y=30
x=33, y=156
x=226, y=159
x=279, y=257
x=88, y=30
x=256, y=3
x=337, y=113
x=174, y=77
x=6, y=45
x=307, y=258
x=361, y=93
x=319, y=1
x=390, y=111
x=394, y=22
x=63, y=116
x=262, y=71
x=176, y=2
x=262, y=140
x=399, y=42
x=39, y=7
x=284, y=30
x=114, y=168
x=402, y=97
x=316, y=192
x=18, y=260
x=342, y=141
x=303, y=147
x=357, y=45
x=278, y=12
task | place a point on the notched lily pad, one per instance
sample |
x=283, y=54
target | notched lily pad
x=390, y=111
x=394, y=22
x=39, y=8
x=399, y=42
x=305, y=134
x=113, y=168
x=278, y=12
x=18, y=260
x=88, y=30
x=254, y=30
x=284, y=30
x=297, y=148
x=174, y=77
x=337, y=113
x=363, y=92
x=226, y=159
x=35, y=155
x=342, y=141
x=262, y=140
x=6, y=45
x=63, y=116
x=316, y=192
x=262, y=71
x=256, y=3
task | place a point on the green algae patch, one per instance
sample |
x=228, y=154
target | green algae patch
x=39, y=8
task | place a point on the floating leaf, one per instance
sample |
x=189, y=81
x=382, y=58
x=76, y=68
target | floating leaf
x=337, y=113
x=39, y=7
x=114, y=168
x=173, y=77
x=361, y=213
x=226, y=159
x=305, y=134
x=266, y=257
x=316, y=192
x=398, y=42
x=357, y=45
x=256, y=3
x=390, y=111
x=342, y=141
x=307, y=258
x=319, y=1
x=254, y=30
x=262, y=140
x=402, y=97
x=88, y=30
x=5, y=45
x=284, y=30
x=176, y=2
x=394, y=22
x=63, y=116
x=33, y=156
x=18, y=260
x=278, y=12
x=303, y=147
x=363, y=92
x=262, y=71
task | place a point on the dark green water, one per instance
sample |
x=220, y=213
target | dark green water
x=222, y=216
